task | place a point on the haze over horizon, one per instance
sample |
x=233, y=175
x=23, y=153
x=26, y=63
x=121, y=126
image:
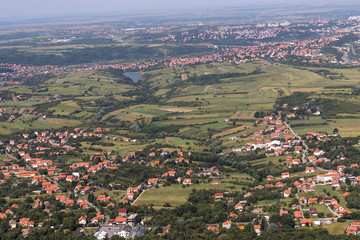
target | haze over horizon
x=22, y=9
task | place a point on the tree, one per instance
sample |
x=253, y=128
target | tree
x=117, y=237
x=272, y=227
x=348, y=181
x=69, y=223
x=91, y=197
x=167, y=205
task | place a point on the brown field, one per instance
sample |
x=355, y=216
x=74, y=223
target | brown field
x=181, y=110
x=228, y=132
x=243, y=115
x=307, y=89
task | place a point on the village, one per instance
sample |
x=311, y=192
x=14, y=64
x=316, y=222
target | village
x=307, y=191
x=130, y=130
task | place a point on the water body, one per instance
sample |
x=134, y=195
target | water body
x=135, y=76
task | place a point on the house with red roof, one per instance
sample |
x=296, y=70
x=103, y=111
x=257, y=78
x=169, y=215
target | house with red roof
x=340, y=168
x=187, y=181
x=312, y=201
x=153, y=181
x=306, y=222
x=285, y=175
x=82, y=220
x=303, y=200
x=94, y=220
x=218, y=195
x=213, y=228
x=122, y=212
x=283, y=212
x=226, y=224
x=103, y=198
x=120, y=220
x=297, y=215
x=310, y=169
x=86, y=190
x=270, y=177
x=338, y=208
x=25, y=222
x=239, y=207
x=286, y=193
x=257, y=229
x=352, y=230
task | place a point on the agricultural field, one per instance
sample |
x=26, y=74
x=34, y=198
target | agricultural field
x=198, y=108
x=273, y=159
x=48, y=123
x=332, y=192
x=116, y=195
x=192, y=127
x=123, y=148
x=176, y=195
x=337, y=228
x=347, y=127
x=321, y=208
x=238, y=177
x=65, y=108
x=194, y=110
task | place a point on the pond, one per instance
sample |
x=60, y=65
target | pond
x=135, y=76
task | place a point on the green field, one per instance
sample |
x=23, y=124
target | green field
x=176, y=195
x=116, y=195
x=123, y=148
x=347, y=127
x=332, y=192
x=337, y=228
x=48, y=123
x=199, y=109
x=65, y=108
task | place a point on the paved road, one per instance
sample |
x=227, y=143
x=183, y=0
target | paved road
x=305, y=151
x=301, y=210
x=331, y=210
x=326, y=219
x=12, y=157
x=140, y=195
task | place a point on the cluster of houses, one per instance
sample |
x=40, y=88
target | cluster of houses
x=307, y=50
x=56, y=145
x=353, y=229
x=25, y=222
x=95, y=220
x=32, y=146
x=305, y=106
x=275, y=139
x=16, y=114
x=124, y=225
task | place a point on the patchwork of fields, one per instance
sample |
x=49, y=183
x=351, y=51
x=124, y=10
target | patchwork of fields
x=90, y=98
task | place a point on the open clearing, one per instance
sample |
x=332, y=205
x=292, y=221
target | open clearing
x=180, y=110
x=337, y=228
x=176, y=194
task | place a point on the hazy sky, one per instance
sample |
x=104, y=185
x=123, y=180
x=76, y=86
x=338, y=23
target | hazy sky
x=40, y=8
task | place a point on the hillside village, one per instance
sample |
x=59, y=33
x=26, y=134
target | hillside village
x=311, y=188
x=181, y=130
